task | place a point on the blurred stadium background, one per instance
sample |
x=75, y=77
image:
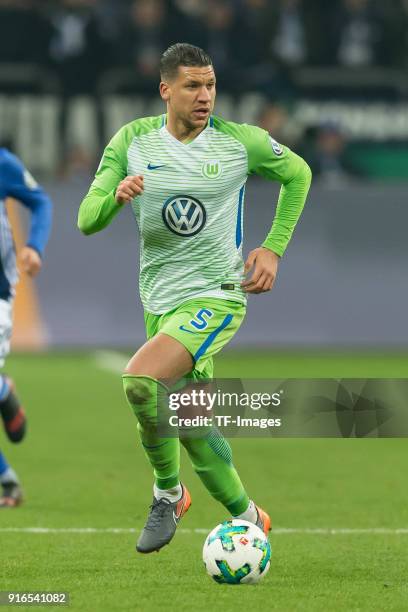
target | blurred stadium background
x=327, y=78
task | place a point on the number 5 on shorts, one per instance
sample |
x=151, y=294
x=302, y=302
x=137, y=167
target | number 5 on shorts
x=199, y=321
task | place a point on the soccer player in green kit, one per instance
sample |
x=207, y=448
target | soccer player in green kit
x=184, y=174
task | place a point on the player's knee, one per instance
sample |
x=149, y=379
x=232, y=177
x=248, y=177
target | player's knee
x=144, y=394
x=139, y=390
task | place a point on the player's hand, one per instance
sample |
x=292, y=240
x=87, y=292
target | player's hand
x=264, y=273
x=129, y=188
x=30, y=261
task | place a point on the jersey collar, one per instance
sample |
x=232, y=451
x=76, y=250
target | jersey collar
x=165, y=131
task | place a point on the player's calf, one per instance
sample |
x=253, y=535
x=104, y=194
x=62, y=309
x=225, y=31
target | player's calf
x=11, y=411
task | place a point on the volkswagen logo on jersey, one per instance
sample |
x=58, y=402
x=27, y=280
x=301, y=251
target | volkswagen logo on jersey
x=184, y=215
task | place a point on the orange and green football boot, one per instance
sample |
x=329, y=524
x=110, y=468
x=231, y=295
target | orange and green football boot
x=162, y=522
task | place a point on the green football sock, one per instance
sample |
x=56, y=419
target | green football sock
x=211, y=457
x=144, y=395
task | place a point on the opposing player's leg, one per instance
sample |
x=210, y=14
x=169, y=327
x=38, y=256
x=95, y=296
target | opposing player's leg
x=11, y=411
x=11, y=494
x=162, y=357
x=11, y=414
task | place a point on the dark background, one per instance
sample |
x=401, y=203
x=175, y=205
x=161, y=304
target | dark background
x=326, y=78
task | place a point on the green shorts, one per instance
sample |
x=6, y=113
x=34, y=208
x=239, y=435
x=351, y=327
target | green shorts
x=202, y=325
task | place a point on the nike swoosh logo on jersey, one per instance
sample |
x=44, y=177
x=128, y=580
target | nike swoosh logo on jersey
x=154, y=166
x=186, y=330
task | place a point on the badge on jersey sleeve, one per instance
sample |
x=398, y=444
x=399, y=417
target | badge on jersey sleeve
x=29, y=180
x=277, y=149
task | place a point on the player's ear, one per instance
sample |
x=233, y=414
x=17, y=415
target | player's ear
x=164, y=91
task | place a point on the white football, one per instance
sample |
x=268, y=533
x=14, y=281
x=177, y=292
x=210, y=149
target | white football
x=237, y=552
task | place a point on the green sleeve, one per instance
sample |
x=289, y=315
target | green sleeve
x=99, y=206
x=97, y=210
x=275, y=162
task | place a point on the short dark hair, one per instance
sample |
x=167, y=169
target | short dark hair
x=182, y=54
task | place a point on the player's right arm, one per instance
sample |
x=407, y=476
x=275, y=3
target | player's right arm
x=111, y=188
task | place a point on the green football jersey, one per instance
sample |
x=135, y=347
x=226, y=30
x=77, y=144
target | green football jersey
x=190, y=214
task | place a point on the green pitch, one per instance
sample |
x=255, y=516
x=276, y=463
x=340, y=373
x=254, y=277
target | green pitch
x=82, y=467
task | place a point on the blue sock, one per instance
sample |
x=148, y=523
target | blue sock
x=4, y=466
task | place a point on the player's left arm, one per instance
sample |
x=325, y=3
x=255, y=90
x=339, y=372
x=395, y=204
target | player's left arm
x=22, y=187
x=275, y=162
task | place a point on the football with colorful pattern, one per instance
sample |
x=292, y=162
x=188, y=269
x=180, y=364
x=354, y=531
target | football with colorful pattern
x=237, y=552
